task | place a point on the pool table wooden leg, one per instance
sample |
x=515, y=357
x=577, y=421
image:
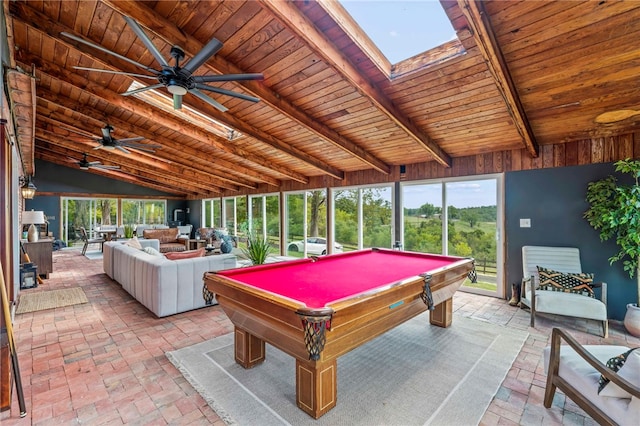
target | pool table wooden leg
x=442, y=314
x=316, y=386
x=249, y=349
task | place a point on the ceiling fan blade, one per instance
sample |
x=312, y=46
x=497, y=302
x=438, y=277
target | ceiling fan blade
x=128, y=140
x=98, y=146
x=615, y=116
x=208, y=100
x=123, y=149
x=102, y=49
x=142, y=147
x=106, y=131
x=142, y=89
x=152, y=77
x=210, y=49
x=227, y=92
x=227, y=77
x=93, y=163
x=177, y=101
x=105, y=167
x=146, y=40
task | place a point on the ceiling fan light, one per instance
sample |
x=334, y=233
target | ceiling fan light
x=109, y=147
x=175, y=89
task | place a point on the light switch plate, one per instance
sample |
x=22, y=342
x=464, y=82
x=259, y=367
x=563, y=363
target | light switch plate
x=525, y=223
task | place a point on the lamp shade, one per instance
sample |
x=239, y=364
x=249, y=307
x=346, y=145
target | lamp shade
x=32, y=216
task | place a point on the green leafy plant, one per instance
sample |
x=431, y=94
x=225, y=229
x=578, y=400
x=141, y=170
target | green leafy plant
x=128, y=231
x=258, y=248
x=615, y=212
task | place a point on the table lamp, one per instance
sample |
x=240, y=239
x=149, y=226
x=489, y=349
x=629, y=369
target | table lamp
x=32, y=218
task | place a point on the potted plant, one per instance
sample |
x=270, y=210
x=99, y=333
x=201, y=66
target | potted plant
x=615, y=212
x=258, y=248
x=128, y=231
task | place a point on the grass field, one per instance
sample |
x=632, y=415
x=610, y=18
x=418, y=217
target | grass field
x=486, y=227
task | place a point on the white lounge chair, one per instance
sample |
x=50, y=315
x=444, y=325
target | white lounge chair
x=561, y=259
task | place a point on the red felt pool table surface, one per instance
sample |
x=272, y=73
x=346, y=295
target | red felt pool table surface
x=318, y=283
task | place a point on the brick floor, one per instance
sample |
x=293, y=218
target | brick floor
x=103, y=362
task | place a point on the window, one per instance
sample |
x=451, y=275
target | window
x=148, y=212
x=363, y=217
x=212, y=213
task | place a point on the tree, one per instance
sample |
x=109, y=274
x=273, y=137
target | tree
x=469, y=216
x=315, y=200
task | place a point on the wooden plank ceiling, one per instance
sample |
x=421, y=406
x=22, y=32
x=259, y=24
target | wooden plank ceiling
x=521, y=74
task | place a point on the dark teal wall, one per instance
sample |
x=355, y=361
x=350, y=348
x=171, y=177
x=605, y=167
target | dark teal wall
x=54, y=178
x=554, y=200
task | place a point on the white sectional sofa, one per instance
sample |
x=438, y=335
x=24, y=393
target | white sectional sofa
x=163, y=286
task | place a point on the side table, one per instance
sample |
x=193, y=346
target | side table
x=196, y=244
x=41, y=253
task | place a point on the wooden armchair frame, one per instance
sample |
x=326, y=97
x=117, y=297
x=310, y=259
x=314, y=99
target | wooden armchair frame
x=555, y=381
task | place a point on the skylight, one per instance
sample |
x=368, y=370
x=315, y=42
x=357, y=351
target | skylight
x=402, y=29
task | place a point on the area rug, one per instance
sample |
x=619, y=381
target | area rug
x=39, y=301
x=415, y=374
x=93, y=255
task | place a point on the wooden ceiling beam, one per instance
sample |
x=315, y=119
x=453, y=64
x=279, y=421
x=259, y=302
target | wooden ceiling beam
x=40, y=22
x=173, y=35
x=151, y=113
x=293, y=19
x=485, y=38
x=141, y=160
x=179, y=152
x=140, y=166
x=53, y=156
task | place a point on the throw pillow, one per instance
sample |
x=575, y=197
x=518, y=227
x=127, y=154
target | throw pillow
x=152, y=251
x=566, y=282
x=185, y=254
x=133, y=242
x=627, y=365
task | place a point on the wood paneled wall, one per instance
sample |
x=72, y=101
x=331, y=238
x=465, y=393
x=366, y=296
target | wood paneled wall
x=589, y=151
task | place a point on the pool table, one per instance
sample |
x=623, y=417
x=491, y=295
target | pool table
x=317, y=309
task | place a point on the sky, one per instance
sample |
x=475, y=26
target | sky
x=459, y=194
x=402, y=29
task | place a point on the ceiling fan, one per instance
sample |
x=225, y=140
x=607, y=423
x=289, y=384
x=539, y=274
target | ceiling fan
x=615, y=116
x=108, y=142
x=85, y=164
x=178, y=80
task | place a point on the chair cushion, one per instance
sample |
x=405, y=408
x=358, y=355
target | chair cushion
x=627, y=365
x=579, y=283
x=185, y=254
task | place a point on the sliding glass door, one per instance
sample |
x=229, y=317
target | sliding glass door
x=459, y=218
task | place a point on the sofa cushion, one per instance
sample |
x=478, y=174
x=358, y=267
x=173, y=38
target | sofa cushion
x=579, y=283
x=133, y=242
x=627, y=365
x=169, y=235
x=152, y=251
x=188, y=254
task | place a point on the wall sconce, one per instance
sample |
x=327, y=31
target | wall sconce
x=27, y=188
